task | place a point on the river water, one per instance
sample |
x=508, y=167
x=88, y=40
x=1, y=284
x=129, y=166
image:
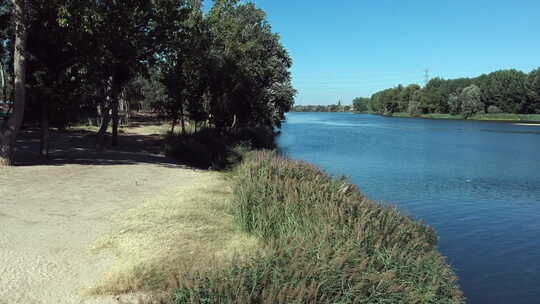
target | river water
x=476, y=183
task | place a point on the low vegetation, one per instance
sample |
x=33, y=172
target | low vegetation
x=209, y=148
x=324, y=242
x=187, y=229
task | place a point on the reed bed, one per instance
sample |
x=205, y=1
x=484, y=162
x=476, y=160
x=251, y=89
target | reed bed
x=324, y=242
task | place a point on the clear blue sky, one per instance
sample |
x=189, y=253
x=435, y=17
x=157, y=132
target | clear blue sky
x=349, y=48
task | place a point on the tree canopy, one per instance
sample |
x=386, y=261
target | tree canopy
x=508, y=91
x=95, y=60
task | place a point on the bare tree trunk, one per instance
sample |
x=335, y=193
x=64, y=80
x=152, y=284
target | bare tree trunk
x=105, y=115
x=11, y=126
x=182, y=120
x=4, y=84
x=44, y=144
x=173, y=124
x=99, y=116
x=100, y=137
x=125, y=111
x=115, y=118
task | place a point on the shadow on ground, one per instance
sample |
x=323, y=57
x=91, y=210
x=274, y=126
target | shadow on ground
x=78, y=147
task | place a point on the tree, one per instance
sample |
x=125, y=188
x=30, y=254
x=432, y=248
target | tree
x=250, y=83
x=415, y=105
x=53, y=84
x=454, y=104
x=405, y=96
x=533, y=90
x=471, y=101
x=121, y=29
x=360, y=104
x=182, y=50
x=505, y=89
x=9, y=128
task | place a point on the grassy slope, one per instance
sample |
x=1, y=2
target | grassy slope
x=324, y=243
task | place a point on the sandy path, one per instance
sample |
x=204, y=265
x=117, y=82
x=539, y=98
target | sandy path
x=51, y=215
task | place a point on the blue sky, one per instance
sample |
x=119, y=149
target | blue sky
x=348, y=48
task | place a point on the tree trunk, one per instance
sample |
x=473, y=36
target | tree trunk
x=44, y=144
x=100, y=137
x=182, y=121
x=4, y=84
x=173, y=124
x=115, y=119
x=105, y=115
x=11, y=126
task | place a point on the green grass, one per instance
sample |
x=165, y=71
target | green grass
x=509, y=117
x=324, y=242
x=487, y=117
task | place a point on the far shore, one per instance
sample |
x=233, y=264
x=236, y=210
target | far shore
x=516, y=119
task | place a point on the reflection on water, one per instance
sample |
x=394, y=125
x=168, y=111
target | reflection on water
x=477, y=183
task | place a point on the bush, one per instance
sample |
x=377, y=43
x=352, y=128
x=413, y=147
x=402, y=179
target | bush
x=202, y=149
x=256, y=138
x=414, y=108
x=325, y=243
x=494, y=110
x=208, y=148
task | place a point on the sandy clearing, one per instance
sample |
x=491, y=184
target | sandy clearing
x=50, y=215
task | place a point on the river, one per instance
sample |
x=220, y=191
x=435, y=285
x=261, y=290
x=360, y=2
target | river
x=476, y=183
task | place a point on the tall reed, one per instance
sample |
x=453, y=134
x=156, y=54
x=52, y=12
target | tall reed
x=325, y=242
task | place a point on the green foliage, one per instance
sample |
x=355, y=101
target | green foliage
x=322, y=108
x=325, y=243
x=227, y=67
x=533, y=89
x=510, y=91
x=493, y=110
x=386, y=102
x=208, y=148
x=454, y=104
x=414, y=107
x=471, y=102
x=360, y=104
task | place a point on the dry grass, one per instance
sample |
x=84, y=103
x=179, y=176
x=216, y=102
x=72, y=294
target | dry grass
x=177, y=232
x=325, y=243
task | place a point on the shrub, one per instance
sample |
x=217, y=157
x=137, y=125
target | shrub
x=325, y=243
x=208, y=148
x=414, y=108
x=471, y=101
x=256, y=138
x=494, y=110
x=202, y=149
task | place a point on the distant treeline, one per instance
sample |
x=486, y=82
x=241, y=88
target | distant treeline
x=504, y=91
x=320, y=108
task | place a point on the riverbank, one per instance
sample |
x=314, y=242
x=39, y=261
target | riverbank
x=129, y=223
x=502, y=117
x=461, y=177
x=323, y=242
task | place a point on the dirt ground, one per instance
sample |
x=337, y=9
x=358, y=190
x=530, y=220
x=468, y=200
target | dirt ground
x=51, y=212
